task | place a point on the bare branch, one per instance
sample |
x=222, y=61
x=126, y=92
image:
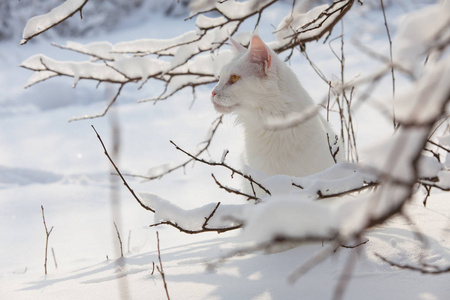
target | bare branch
x=113, y=100
x=160, y=268
x=391, y=59
x=222, y=164
x=120, y=240
x=120, y=174
x=333, y=153
x=234, y=191
x=47, y=235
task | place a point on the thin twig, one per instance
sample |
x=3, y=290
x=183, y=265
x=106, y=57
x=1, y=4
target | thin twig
x=352, y=246
x=160, y=268
x=391, y=60
x=321, y=195
x=120, y=240
x=108, y=106
x=439, y=146
x=47, y=234
x=234, y=191
x=333, y=153
x=210, y=216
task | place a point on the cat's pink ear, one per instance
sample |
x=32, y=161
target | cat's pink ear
x=236, y=47
x=259, y=53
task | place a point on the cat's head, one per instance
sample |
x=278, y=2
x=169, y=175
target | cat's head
x=248, y=80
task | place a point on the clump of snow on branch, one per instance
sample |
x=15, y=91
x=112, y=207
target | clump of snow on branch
x=39, y=24
x=219, y=216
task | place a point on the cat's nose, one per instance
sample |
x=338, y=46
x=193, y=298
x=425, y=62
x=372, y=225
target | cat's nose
x=213, y=93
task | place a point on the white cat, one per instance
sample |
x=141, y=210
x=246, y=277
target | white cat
x=257, y=86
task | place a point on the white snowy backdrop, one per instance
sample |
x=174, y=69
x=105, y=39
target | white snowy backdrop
x=45, y=160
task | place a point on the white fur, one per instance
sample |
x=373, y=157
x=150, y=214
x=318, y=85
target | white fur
x=268, y=88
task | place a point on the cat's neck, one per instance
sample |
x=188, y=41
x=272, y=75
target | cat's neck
x=298, y=151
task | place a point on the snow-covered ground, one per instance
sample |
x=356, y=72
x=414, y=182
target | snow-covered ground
x=44, y=160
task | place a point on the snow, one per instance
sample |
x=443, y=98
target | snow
x=280, y=218
x=339, y=178
x=444, y=179
x=46, y=161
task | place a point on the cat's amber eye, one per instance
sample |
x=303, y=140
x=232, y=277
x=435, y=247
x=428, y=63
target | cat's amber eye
x=234, y=78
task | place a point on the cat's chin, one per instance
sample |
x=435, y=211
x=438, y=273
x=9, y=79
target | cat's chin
x=224, y=109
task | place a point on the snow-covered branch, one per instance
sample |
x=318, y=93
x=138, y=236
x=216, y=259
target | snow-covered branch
x=42, y=23
x=299, y=27
x=192, y=59
x=212, y=217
